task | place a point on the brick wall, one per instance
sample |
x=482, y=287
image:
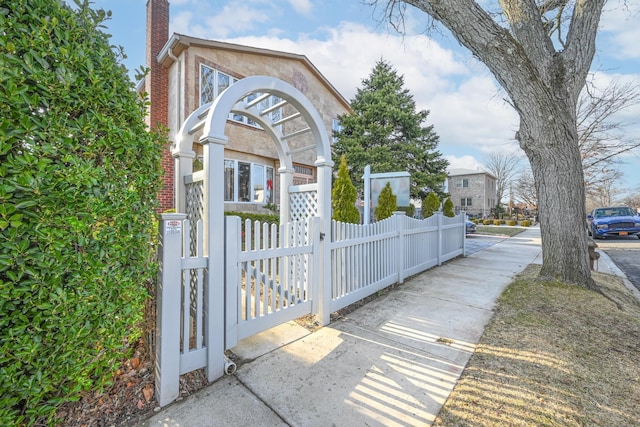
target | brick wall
x=157, y=83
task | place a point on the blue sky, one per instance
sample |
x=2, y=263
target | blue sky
x=344, y=39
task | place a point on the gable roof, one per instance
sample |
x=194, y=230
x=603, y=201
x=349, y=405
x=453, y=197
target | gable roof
x=179, y=42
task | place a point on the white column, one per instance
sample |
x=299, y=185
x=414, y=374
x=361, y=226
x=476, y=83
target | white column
x=286, y=180
x=213, y=149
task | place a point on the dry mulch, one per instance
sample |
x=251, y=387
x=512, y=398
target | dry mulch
x=129, y=400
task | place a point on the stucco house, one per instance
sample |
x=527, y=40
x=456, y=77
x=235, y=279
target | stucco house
x=187, y=72
x=472, y=191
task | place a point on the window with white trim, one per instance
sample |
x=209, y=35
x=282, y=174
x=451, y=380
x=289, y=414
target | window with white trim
x=463, y=183
x=465, y=202
x=213, y=82
x=248, y=182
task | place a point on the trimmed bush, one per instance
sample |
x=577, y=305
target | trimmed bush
x=263, y=218
x=79, y=175
x=497, y=222
x=430, y=205
x=487, y=221
x=410, y=210
x=447, y=208
x=525, y=223
x=512, y=222
x=386, y=203
x=343, y=196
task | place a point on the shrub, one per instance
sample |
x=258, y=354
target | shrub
x=253, y=217
x=525, y=223
x=430, y=205
x=497, y=222
x=512, y=222
x=487, y=221
x=79, y=175
x=343, y=196
x=410, y=210
x=386, y=203
x=447, y=208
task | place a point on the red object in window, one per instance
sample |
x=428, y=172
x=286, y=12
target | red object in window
x=269, y=184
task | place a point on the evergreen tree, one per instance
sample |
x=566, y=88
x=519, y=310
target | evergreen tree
x=447, y=208
x=385, y=131
x=430, y=205
x=387, y=203
x=343, y=196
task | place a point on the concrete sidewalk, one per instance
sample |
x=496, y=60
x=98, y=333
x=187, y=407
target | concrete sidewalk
x=391, y=362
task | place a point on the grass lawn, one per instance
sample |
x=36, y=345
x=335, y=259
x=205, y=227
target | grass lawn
x=501, y=230
x=553, y=355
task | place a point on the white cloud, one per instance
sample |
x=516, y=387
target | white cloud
x=203, y=21
x=304, y=7
x=621, y=23
x=464, y=162
x=465, y=103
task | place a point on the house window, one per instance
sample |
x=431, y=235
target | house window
x=214, y=82
x=465, y=202
x=229, y=180
x=247, y=182
x=244, y=182
x=302, y=175
x=463, y=183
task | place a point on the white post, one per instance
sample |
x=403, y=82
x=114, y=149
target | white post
x=367, y=194
x=233, y=245
x=286, y=181
x=399, y=225
x=213, y=149
x=463, y=214
x=168, y=308
x=439, y=216
x=324, y=210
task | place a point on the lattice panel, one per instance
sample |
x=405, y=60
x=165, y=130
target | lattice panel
x=195, y=210
x=303, y=205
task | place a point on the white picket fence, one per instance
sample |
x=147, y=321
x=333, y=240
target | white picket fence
x=272, y=275
x=368, y=258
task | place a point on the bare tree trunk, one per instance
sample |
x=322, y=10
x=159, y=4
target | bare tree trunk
x=555, y=163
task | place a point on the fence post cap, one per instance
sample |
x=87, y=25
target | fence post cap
x=173, y=216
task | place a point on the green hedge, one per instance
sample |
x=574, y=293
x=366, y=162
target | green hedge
x=525, y=223
x=79, y=175
x=268, y=218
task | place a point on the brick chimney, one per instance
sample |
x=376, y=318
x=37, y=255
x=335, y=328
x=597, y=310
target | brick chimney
x=157, y=83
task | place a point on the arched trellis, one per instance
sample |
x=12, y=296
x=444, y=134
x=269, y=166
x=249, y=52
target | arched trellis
x=211, y=119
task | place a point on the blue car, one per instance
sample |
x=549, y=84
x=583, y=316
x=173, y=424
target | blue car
x=470, y=227
x=613, y=221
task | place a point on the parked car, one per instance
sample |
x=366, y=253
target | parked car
x=471, y=227
x=613, y=221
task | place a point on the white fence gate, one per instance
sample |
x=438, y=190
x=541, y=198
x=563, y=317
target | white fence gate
x=269, y=275
x=272, y=275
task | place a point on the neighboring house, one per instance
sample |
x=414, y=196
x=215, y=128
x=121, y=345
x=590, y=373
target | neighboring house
x=187, y=72
x=472, y=191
